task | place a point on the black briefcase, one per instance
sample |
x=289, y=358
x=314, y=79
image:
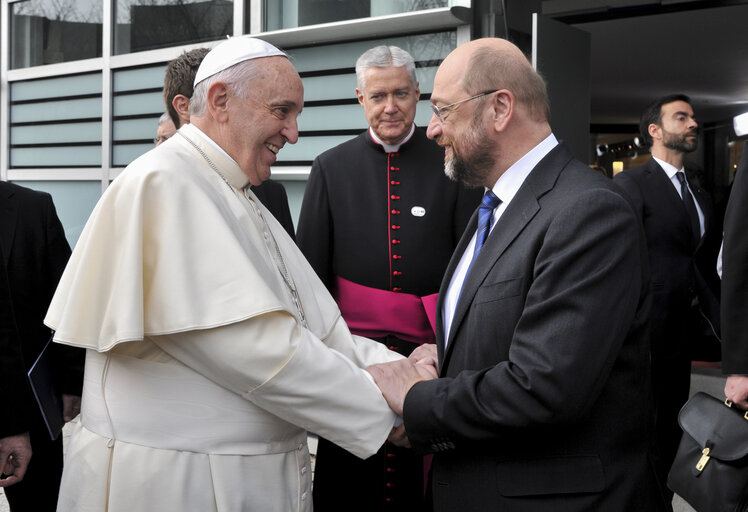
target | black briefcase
x=710, y=470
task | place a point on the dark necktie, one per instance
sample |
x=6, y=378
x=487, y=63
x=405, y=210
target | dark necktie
x=693, y=215
x=485, y=216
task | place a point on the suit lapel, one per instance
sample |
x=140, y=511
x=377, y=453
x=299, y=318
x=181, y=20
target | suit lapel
x=662, y=183
x=472, y=225
x=523, y=207
x=8, y=212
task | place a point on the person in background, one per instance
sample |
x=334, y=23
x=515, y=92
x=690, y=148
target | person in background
x=165, y=129
x=36, y=252
x=735, y=289
x=15, y=446
x=378, y=225
x=543, y=399
x=683, y=243
x=178, y=87
x=198, y=394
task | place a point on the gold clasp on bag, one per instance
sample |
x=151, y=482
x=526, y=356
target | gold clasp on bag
x=703, y=460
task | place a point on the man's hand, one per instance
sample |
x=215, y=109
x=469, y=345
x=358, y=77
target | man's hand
x=426, y=354
x=736, y=390
x=15, y=454
x=399, y=437
x=397, y=377
x=71, y=406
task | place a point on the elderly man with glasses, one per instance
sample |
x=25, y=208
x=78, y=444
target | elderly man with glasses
x=378, y=223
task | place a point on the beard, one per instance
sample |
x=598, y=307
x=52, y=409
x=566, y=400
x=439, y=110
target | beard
x=473, y=169
x=679, y=143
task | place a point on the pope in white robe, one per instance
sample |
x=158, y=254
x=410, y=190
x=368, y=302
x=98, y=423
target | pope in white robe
x=212, y=346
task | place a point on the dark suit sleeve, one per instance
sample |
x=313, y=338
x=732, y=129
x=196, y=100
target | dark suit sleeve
x=584, y=288
x=314, y=236
x=735, y=276
x=13, y=412
x=631, y=192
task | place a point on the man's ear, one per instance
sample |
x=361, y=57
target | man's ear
x=654, y=131
x=503, y=108
x=181, y=104
x=360, y=96
x=218, y=101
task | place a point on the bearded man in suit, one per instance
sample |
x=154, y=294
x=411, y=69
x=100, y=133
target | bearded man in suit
x=542, y=401
x=683, y=242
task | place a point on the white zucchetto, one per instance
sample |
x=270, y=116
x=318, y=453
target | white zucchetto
x=232, y=52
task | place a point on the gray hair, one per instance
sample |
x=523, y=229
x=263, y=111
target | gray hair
x=164, y=117
x=238, y=77
x=382, y=57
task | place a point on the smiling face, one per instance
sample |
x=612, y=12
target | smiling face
x=260, y=125
x=389, y=99
x=468, y=152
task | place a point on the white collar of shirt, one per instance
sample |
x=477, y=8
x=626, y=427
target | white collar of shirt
x=672, y=172
x=669, y=169
x=392, y=148
x=505, y=188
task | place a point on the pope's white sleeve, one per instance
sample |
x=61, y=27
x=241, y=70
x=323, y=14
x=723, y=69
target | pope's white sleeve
x=283, y=368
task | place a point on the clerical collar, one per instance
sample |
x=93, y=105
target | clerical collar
x=233, y=174
x=392, y=148
x=221, y=162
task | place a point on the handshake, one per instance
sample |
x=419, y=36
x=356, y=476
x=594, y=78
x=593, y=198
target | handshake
x=397, y=377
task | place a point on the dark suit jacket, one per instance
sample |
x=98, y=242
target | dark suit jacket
x=35, y=254
x=542, y=401
x=12, y=377
x=273, y=196
x=678, y=271
x=735, y=276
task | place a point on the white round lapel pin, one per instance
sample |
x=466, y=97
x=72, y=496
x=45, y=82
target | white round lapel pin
x=418, y=211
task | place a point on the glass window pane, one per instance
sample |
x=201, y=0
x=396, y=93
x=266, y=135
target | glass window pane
x=56, y=122
x=56, y=133
x=308, y=148
x=136, y=106
x=141, y=103
x=51, y=31
x=65, y=156
x=149, y=24
x=139, y=78
x=124, y=154
x=299, y=13
x=56, y=110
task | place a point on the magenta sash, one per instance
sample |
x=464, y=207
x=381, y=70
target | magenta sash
x=376, y=313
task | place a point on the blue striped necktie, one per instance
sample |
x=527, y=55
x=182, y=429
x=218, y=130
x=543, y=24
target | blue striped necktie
x=485, y=216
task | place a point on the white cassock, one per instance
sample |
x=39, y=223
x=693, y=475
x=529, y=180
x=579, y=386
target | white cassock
x=203, y=372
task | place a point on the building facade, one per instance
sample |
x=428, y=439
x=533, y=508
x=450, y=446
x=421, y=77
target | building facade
x=82, y=79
